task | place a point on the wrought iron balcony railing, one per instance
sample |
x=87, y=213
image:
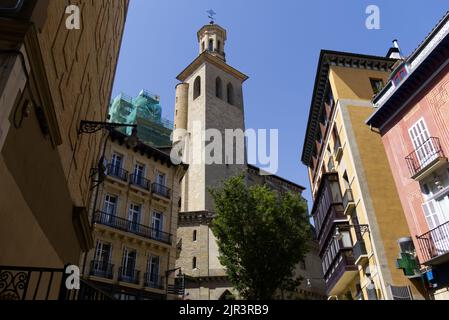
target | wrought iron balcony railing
x=30, y=283
x=424, y=155
x=153, y=281
x=161, y=190
x=140, y=182
x=129, y=275
x=434, y=243
x=101, y=269
x=117, y=172
x=132, y=227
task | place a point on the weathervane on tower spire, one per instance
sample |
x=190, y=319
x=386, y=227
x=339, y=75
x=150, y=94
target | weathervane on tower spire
x=211, y=14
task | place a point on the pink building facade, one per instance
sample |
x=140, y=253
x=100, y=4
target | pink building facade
x=412, y=117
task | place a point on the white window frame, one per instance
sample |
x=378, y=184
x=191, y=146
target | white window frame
x=422, y=144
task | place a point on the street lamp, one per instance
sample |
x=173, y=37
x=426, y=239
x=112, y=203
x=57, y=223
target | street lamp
x=362, y=228
x=175, y=287
x=90, y=127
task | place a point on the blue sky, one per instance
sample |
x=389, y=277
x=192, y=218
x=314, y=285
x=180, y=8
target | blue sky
x=276, y=43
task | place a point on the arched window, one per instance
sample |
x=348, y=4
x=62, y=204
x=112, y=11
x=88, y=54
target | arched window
x=218, y=45
x=197, y=88
x=202, y=46
x=194, y=263
x=218, y=88
x=211, y=44
x=194, y=235
x=230, y=93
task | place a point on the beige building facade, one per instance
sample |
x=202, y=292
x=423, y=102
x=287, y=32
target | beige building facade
x=135, y=217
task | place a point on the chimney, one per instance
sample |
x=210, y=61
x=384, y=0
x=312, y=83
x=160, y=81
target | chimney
x=395, y=51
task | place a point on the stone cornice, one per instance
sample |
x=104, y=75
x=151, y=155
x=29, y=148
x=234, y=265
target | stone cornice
x=195, y=217
x=219, y=63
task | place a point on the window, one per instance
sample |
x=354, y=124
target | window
x=424, y=148
x=197, y=88
x=320, y=137
x=203, y=47
x=346, y=239
x=431, y=214
x=400, y=76
x=324, y=119
x=117, y=160
x=128, y=264
x=194, y=266
x=230, y=93
x=102, y=253
x=355, y=222
x=330, y=98
x=161, y=178
x=139, y=173
x=124, y=297
x=218, y=88
x=157, y=224
x=211, y=45
x=218, y=45
x=346, y=181
x=154, y=271
x=109, y=208
x=134, y=216
x=337, y=143
x=377, y=85
x=194, y=235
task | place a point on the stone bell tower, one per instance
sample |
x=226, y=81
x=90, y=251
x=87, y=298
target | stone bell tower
x=209, y=96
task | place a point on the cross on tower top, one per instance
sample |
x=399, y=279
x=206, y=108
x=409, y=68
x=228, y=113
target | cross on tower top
x=211, y=15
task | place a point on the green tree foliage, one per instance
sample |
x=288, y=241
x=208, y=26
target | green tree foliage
x=261, y=234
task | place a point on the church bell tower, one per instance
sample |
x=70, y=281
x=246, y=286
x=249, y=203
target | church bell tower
x=209, y=96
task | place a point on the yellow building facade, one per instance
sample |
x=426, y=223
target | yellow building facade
x=356, y=210
x=135, y=218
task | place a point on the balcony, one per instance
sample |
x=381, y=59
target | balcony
x=132, y=227
x=153, y=281
x=140, y=182
x=338, y=151
x=348, y=202
x=160, y=190
x=360, y=253
x=101, y=269
x=131, y=276
x=327, y=208
x=426, y=159
x=434, y=245
x=117, y=172
x=340, y=273
x=334, y=216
